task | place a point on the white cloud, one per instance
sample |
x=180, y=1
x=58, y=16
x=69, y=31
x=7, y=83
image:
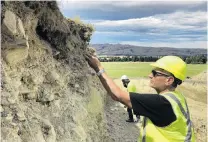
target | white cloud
x=169, y=37
x=181, y=22
x=85, y=4
x=177, y=20
x=185, y=18
x=113, y=33
x=142, y=3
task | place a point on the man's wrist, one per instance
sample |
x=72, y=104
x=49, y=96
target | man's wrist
x=98, y=69
x=100, y=72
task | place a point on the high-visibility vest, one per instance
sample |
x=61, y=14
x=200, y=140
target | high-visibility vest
x=131, y=87
x=181, y=130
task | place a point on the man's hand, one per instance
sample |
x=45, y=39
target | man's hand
x=93, y=62
x=113, y=90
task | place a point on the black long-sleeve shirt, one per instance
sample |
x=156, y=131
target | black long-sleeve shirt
x=156, y=107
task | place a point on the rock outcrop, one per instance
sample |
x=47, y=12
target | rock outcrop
x=48, y=91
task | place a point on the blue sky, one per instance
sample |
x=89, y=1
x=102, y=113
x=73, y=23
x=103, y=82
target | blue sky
x=180, y=24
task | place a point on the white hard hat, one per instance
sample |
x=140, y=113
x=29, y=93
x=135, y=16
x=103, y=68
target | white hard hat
x=124, y=77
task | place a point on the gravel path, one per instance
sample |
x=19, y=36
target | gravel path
x=119, y=130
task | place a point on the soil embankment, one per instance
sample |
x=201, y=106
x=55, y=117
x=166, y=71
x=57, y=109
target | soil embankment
x=48, y=91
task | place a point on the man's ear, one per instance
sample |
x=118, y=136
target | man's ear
x=169, y=80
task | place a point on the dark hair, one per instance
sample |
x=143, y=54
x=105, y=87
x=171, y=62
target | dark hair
x=176, y=82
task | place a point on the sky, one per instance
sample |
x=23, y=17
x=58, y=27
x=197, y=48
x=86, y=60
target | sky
x=179, y=24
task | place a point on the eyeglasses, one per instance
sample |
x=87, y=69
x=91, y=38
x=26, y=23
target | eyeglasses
x=155, y=73
x=125, y=80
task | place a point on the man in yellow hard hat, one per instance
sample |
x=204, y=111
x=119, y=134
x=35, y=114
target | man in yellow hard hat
x=166, y=114
x=130, y=88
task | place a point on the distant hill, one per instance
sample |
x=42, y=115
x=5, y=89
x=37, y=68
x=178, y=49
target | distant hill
x=130, y=50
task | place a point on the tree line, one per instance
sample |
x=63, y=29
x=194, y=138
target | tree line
x=197, y=59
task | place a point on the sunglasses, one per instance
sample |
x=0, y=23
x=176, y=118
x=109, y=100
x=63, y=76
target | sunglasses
x=125, y=80
x=155, y=73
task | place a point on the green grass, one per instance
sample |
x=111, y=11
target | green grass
x=142, y=69
x=194, y=69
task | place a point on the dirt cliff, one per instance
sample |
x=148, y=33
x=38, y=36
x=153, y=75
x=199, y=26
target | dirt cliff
x=48, y=92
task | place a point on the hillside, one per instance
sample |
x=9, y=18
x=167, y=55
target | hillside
x=130, y=50
x=45, y=91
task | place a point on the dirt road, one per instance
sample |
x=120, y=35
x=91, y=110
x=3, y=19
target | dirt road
x=118, y=128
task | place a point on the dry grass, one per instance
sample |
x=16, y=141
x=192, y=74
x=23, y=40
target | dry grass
x=78, y=21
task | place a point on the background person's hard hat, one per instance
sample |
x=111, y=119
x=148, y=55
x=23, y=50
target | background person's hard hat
x=172, y=64
x=131, y=87
x=124, y=77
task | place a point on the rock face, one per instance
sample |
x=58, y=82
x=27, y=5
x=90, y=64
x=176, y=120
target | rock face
x=48, y=93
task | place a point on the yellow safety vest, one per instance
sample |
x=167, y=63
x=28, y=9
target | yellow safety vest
x=181, y=130
x=131, y=87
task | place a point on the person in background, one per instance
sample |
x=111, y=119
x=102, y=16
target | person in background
x=130, y=88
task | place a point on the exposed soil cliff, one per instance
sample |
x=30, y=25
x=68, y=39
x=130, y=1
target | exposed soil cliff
x=48, y=92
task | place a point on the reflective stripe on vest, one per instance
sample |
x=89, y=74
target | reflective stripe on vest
x=144, y=131
x=186, y=115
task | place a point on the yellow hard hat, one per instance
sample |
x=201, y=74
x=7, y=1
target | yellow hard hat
x=172, y=64
x=131, y=87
